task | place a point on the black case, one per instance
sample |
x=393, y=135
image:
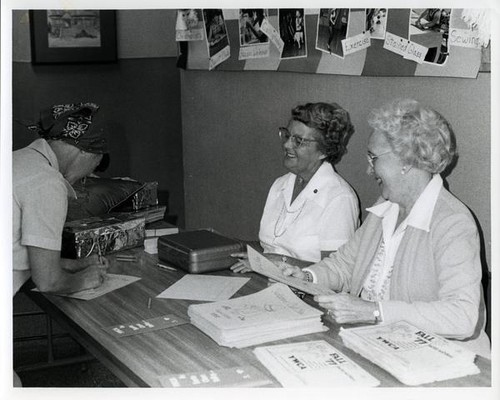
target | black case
x=198, y=251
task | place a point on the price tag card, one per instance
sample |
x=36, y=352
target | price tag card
x=145, y=325
x=246, y=376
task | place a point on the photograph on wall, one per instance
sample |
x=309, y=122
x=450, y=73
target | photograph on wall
x=376, y=22
x=216, y=36
x=73, y=28
x=70, y=36
x=429, y=27
x=332, y=29
x=292, y=29
x=189, y=25
x=254, y=43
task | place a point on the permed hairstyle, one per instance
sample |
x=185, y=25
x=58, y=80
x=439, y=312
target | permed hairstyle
x=332, y=122
x=420, y=136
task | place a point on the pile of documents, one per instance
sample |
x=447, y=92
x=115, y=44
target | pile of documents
x=315, y=363
x=271, y=314
x=413, y=356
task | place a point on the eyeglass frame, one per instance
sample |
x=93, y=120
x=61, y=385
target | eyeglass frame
x=372, y=157
x=297, y=141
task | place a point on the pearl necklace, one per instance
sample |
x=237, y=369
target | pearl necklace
x=278, y=232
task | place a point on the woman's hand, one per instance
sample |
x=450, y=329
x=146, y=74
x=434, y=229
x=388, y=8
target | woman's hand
x=347, y=309
x=242, y=265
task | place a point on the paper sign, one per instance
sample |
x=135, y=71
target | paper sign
x=263, y=266
x=255, y=51
x=204, y=288
x=464, y=38
x=272, y=34
x=219, y=57
x=247, y=376
x=112, y=282
x=405, y=48
x=356, y=43
x=145, y=325
x=416, y=52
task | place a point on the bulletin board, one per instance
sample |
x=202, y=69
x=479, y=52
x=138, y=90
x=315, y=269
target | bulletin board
x=401, y=48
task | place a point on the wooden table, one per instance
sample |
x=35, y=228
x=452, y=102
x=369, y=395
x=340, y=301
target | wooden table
x=141, y=360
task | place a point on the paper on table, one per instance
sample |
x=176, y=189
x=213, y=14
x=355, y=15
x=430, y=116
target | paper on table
x=203, y=287
x=112, y=282
x=263, y=266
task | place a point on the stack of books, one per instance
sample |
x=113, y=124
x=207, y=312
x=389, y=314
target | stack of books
x=413, y=356
x=153, y=231
x=315, y=363
x=271, y=314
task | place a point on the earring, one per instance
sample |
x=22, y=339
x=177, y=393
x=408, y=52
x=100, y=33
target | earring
x=403, y=171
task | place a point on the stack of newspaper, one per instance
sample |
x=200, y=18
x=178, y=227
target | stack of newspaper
x=271, y=314
x=410, y=354
x=315, y=363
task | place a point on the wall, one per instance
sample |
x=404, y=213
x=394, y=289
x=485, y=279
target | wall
x=139, y=96
x=232, y=152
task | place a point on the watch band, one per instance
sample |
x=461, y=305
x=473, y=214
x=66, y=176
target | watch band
x=376, y=313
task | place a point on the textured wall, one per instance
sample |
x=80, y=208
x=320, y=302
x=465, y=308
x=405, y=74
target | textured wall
x=232, y=152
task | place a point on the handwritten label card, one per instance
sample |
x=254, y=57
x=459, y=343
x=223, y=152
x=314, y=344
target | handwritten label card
x=405, y=48
x=356, y=43
x=246, y=376
x=255, y=51
x=272, y=34
x=464, y=38
x=145, y=325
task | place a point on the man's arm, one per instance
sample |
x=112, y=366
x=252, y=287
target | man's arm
x=49, y=276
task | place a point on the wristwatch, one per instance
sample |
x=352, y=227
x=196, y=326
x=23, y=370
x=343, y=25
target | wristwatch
x=376, y=313
x=308, y=277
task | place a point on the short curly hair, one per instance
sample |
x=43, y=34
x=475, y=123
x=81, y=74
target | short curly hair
x=332, y=122
x=418, y=135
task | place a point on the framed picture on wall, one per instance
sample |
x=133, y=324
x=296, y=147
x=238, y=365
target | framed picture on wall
x=72, y=36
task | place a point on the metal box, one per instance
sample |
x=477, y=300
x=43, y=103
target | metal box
x=198, y=251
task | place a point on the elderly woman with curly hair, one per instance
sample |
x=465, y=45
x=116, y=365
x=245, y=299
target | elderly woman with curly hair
x=310, y=211
x=416, y=256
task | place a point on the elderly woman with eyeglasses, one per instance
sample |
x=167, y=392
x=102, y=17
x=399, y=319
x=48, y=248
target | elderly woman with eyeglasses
x=310, y=211
x=416, y=255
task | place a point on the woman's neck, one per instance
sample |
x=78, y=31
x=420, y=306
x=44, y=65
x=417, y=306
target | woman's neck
x=414, y=189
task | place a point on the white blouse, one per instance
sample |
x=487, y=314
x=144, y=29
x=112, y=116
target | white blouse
x=377, y=283
x=322, y=217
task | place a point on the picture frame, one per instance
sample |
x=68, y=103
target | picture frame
x=73, y=36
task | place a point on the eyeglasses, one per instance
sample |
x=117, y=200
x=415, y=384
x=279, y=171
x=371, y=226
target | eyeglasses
x=297, y=141
x=372, y=157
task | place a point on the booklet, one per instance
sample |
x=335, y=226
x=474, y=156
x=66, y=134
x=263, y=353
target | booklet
x=271, y=314
x=315, y=363
x=409, y=353
x=263, y=266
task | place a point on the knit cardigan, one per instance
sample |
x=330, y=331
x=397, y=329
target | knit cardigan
x=436, y=280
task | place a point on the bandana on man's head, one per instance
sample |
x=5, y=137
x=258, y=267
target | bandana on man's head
x=75, y=124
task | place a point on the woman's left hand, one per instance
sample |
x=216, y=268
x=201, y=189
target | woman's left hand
x=347, y=309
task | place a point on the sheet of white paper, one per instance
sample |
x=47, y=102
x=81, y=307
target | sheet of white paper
x=263, y=266
x=112, y=282
x=203, y=287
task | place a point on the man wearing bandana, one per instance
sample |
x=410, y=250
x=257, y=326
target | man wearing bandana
x=70, y=147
